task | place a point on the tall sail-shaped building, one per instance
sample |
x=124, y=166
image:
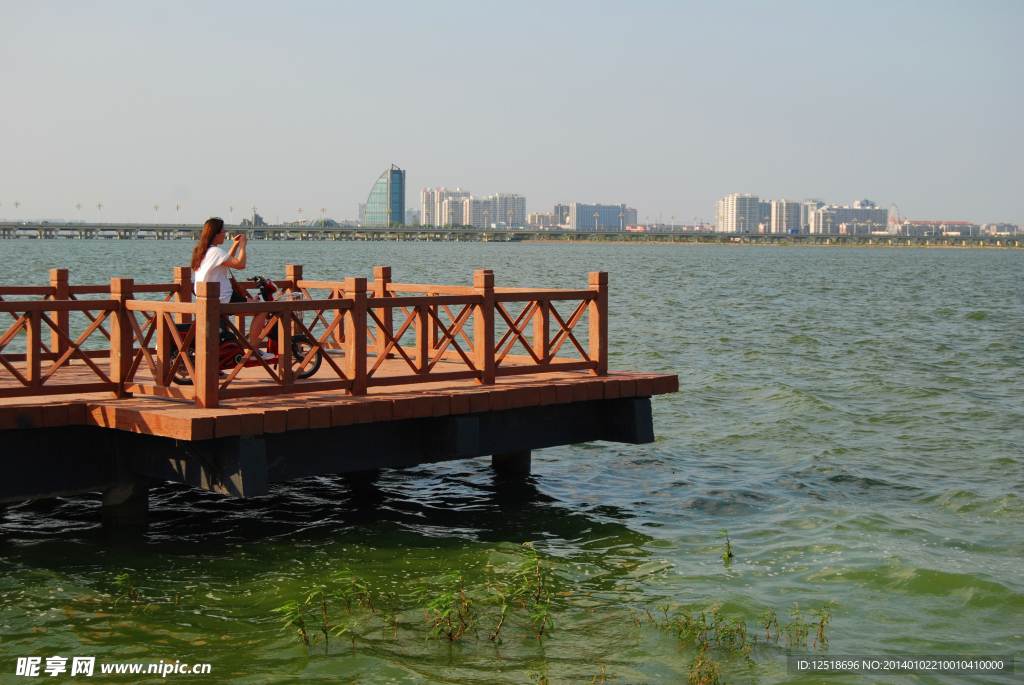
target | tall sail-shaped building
x=386, y=204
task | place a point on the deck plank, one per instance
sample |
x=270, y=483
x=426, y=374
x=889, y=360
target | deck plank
x=178, y=418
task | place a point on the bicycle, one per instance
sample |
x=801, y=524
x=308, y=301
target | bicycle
x=232, y=352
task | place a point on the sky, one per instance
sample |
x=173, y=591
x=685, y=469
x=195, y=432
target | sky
x=664, y=106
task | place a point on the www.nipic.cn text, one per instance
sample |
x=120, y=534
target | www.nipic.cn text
x=33, y=666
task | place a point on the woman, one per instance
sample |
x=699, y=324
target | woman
x=210, y=263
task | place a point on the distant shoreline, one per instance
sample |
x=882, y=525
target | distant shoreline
x=764, y=244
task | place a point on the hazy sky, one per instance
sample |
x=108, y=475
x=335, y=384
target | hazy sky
x=666, y=106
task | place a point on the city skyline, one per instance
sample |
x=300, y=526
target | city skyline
x=137, y=106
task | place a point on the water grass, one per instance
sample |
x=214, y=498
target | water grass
x=525, y=593
x=727, y=555
x=320, y=596
x=291, y=615
x=127, y=590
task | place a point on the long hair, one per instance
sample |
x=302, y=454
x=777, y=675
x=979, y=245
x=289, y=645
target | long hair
x=211, y=228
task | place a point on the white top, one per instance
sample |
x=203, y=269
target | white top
x=213, y=269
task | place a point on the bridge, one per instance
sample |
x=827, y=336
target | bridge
x=77, y=231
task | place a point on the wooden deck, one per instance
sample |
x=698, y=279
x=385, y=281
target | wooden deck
x=277, y=414
x=410, y=374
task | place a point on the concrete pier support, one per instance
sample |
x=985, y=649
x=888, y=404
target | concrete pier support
x=126, y=504
x=513, y=462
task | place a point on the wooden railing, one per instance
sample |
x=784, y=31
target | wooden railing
x=367, y=335
x=55, y=311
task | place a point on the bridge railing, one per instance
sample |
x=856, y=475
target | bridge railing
x=328, y=335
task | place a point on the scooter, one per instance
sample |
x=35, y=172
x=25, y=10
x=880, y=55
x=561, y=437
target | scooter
x=232, y=352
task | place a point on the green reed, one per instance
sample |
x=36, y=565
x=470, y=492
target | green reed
x=539, y=677
x=728, y=544
x=291, y=615
x=319, y=594
x=703, y=669
x=797, y=631
x=450, y=611
x=824, y=615
x=526, y=594
x=127, y=590
x=769, y=619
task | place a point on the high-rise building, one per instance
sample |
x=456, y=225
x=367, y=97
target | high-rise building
x=385, y=205
x=864, y=217
x=478, y=212
x=785, y=216
x=510, y=209
x=764, y=216
x=504, y=209
x=738, y=213
x=608, y=217
x=808, y=207
x=630, y=216
x=561, y=213
x=433, y=210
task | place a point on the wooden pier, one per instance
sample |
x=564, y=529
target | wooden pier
x=410, y=374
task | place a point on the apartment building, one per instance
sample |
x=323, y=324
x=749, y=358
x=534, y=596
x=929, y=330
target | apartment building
x=739, y=213
x=434, y=211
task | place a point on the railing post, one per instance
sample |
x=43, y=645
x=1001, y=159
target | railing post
x=542, y=330
x=355, y=338
x=33, y=349
x=483, y=325
x=423, y=347
x=432, y=329
x=207, y=366
x=381, y=281
x=163, y=348
x=59, y=283
x=293, y=273
x=599, y=322
x=284, y=347
x=183, y=279
x=121, y=338
x=338, y=336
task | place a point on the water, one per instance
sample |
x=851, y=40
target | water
x=852, y=416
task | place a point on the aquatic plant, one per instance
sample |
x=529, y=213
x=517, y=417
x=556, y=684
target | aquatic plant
x=128, y=591
x=532, y=580
x=797, y=631
x=540, y=616
x=693, y=629
x=540, y=677
x=291, y=615
x=450, y=612
x=318, y=593
x=730, y=633
x=728, y=544
x=824, y=615
x=769, y=619
x=350, y=588
x=703, y=669
x=501, y=599
x=350, y=628
x=390, y=614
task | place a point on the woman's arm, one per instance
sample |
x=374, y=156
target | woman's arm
x=238, y=245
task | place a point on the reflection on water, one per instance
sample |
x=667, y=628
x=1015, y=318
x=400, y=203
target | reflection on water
x=853, y=417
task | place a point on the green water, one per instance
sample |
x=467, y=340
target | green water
x=852, y=416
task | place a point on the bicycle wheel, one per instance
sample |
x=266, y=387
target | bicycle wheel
x=300, y=348
x=181, y=376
